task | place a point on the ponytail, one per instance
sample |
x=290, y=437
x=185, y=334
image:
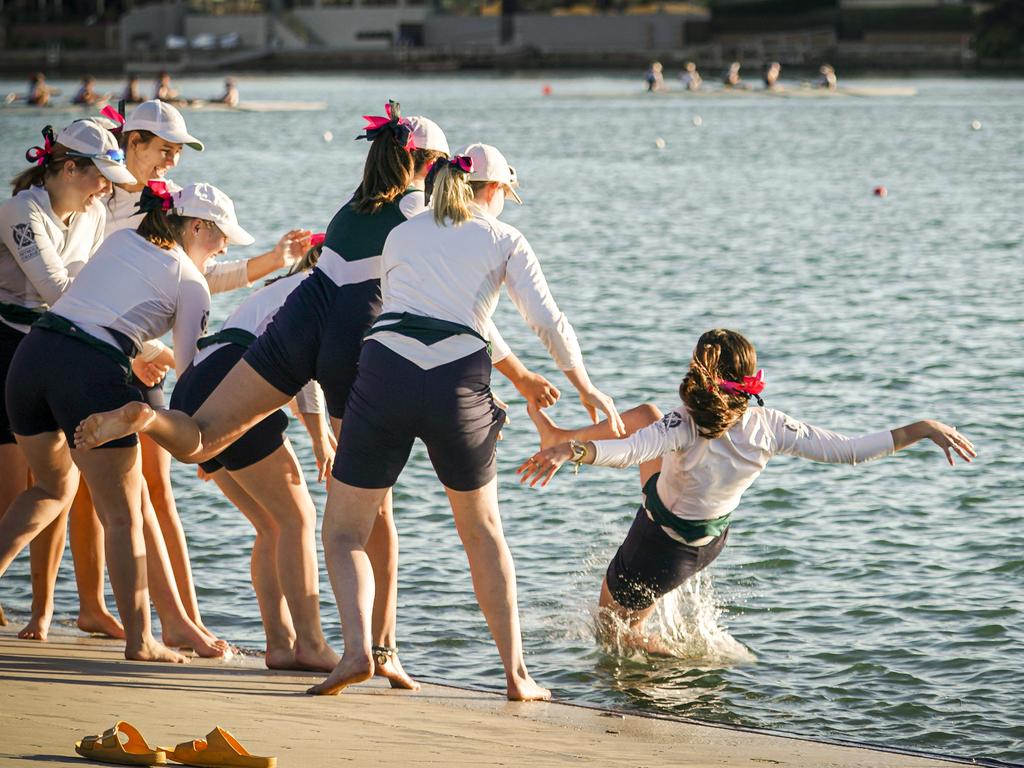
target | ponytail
x=389, y=166
x=160, y=226
x=47, y=161
x=720, y=355
x=450, y=190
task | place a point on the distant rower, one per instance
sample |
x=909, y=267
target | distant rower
x=691, y=78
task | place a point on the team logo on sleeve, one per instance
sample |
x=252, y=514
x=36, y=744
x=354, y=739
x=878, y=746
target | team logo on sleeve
x=204, y=322
x=24, y=241
x=671, y=421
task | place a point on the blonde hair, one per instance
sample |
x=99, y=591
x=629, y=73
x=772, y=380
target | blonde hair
x=452, y=194
x=719, y=354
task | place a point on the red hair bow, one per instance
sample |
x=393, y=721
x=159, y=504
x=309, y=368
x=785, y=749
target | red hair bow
x=315, y=241
x=38, y=155
x=155, y=195
x=751, y=385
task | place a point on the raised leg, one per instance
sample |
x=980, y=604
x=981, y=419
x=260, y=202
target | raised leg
x=494, y=581
x=239, y=402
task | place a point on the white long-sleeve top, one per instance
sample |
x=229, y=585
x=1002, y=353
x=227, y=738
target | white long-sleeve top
x=122, y=213
x=141, y=290
x=455, y=273
x=254, y=315
x=703, y=479
x=39, y=254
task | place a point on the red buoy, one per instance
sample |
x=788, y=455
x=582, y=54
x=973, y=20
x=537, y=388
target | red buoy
x=881, y=191
x=546, y=90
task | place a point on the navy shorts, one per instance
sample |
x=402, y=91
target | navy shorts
x=317, y=334
x=153, y=395
x=650, y=563
x=9, y=341
x=394, y=401
x=56, y=381
x=197, y=384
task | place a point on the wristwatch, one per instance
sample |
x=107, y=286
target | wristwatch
x=579, y=453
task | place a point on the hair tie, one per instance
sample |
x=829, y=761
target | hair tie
x=155, y=197
x=463, y=163
x=394, y=124
x=39, y=155
x=751, y=386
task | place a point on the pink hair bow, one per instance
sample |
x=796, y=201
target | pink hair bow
x=752, y=386
x=394, y=122
x=315, y=241
x=462, y=163
x=112, y=114
x=38, y=155
x=158, y=190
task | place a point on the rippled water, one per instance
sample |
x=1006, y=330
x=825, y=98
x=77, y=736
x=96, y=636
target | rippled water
x=882, y=603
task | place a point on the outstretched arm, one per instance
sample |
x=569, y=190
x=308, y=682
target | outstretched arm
x=943, y=435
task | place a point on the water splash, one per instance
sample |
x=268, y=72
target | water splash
x=686, y=624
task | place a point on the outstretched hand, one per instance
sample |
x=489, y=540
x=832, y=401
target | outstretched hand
x=595, y=400
x=950, y=441
x=291, y=247
x=537, y=390
x=541, y=467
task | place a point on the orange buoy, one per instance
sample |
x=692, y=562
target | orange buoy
x=546, y=90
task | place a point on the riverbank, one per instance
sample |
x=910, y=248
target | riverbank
x=52, y=694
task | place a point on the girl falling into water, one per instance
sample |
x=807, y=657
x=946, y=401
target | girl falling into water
x=695, y=463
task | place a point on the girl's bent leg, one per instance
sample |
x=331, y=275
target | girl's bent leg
x=45, y=553
x=348, y=519
x=494, y=581
x=115, y=481
x=239, y=402
x=56, y=478
x=277, y=484
x=87, y=553
x=156, y=469
x=277, y=620
x=382, y=549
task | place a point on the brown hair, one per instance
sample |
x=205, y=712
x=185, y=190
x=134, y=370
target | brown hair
x=144, y=137
x=386, y=174
x=163, y=229
x=37, y=174
x=719, y=354
x=306, y=263
x=421, y=158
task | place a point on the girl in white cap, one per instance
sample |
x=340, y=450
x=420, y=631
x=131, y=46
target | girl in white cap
x=317, y=334
x=695, y=463
x=152, y=138
x=48, y=231
x=75, y=361
x=424, y=372
x=260, y=474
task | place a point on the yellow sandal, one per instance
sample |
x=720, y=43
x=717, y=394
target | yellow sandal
x=219, y=749
x=108, y=747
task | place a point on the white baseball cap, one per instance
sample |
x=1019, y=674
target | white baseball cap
x=426, y=134
x=205, y=201
x=490, y=165
x=87, y=138
x=164, y=120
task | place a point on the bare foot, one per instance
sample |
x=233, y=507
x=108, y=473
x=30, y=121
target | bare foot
x=103, y=427
x=101, y=623
x=352, y=669
x=525, y=689
x=151, y=650
x=550, y=433
x=279, y=658
x=188, y=635
x=394, y=674
x=315, y=658
x=38, y=628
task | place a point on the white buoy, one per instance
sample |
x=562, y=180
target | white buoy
x=659, y=143
x=328, y=137
x=698, y=121
x=976, y=125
